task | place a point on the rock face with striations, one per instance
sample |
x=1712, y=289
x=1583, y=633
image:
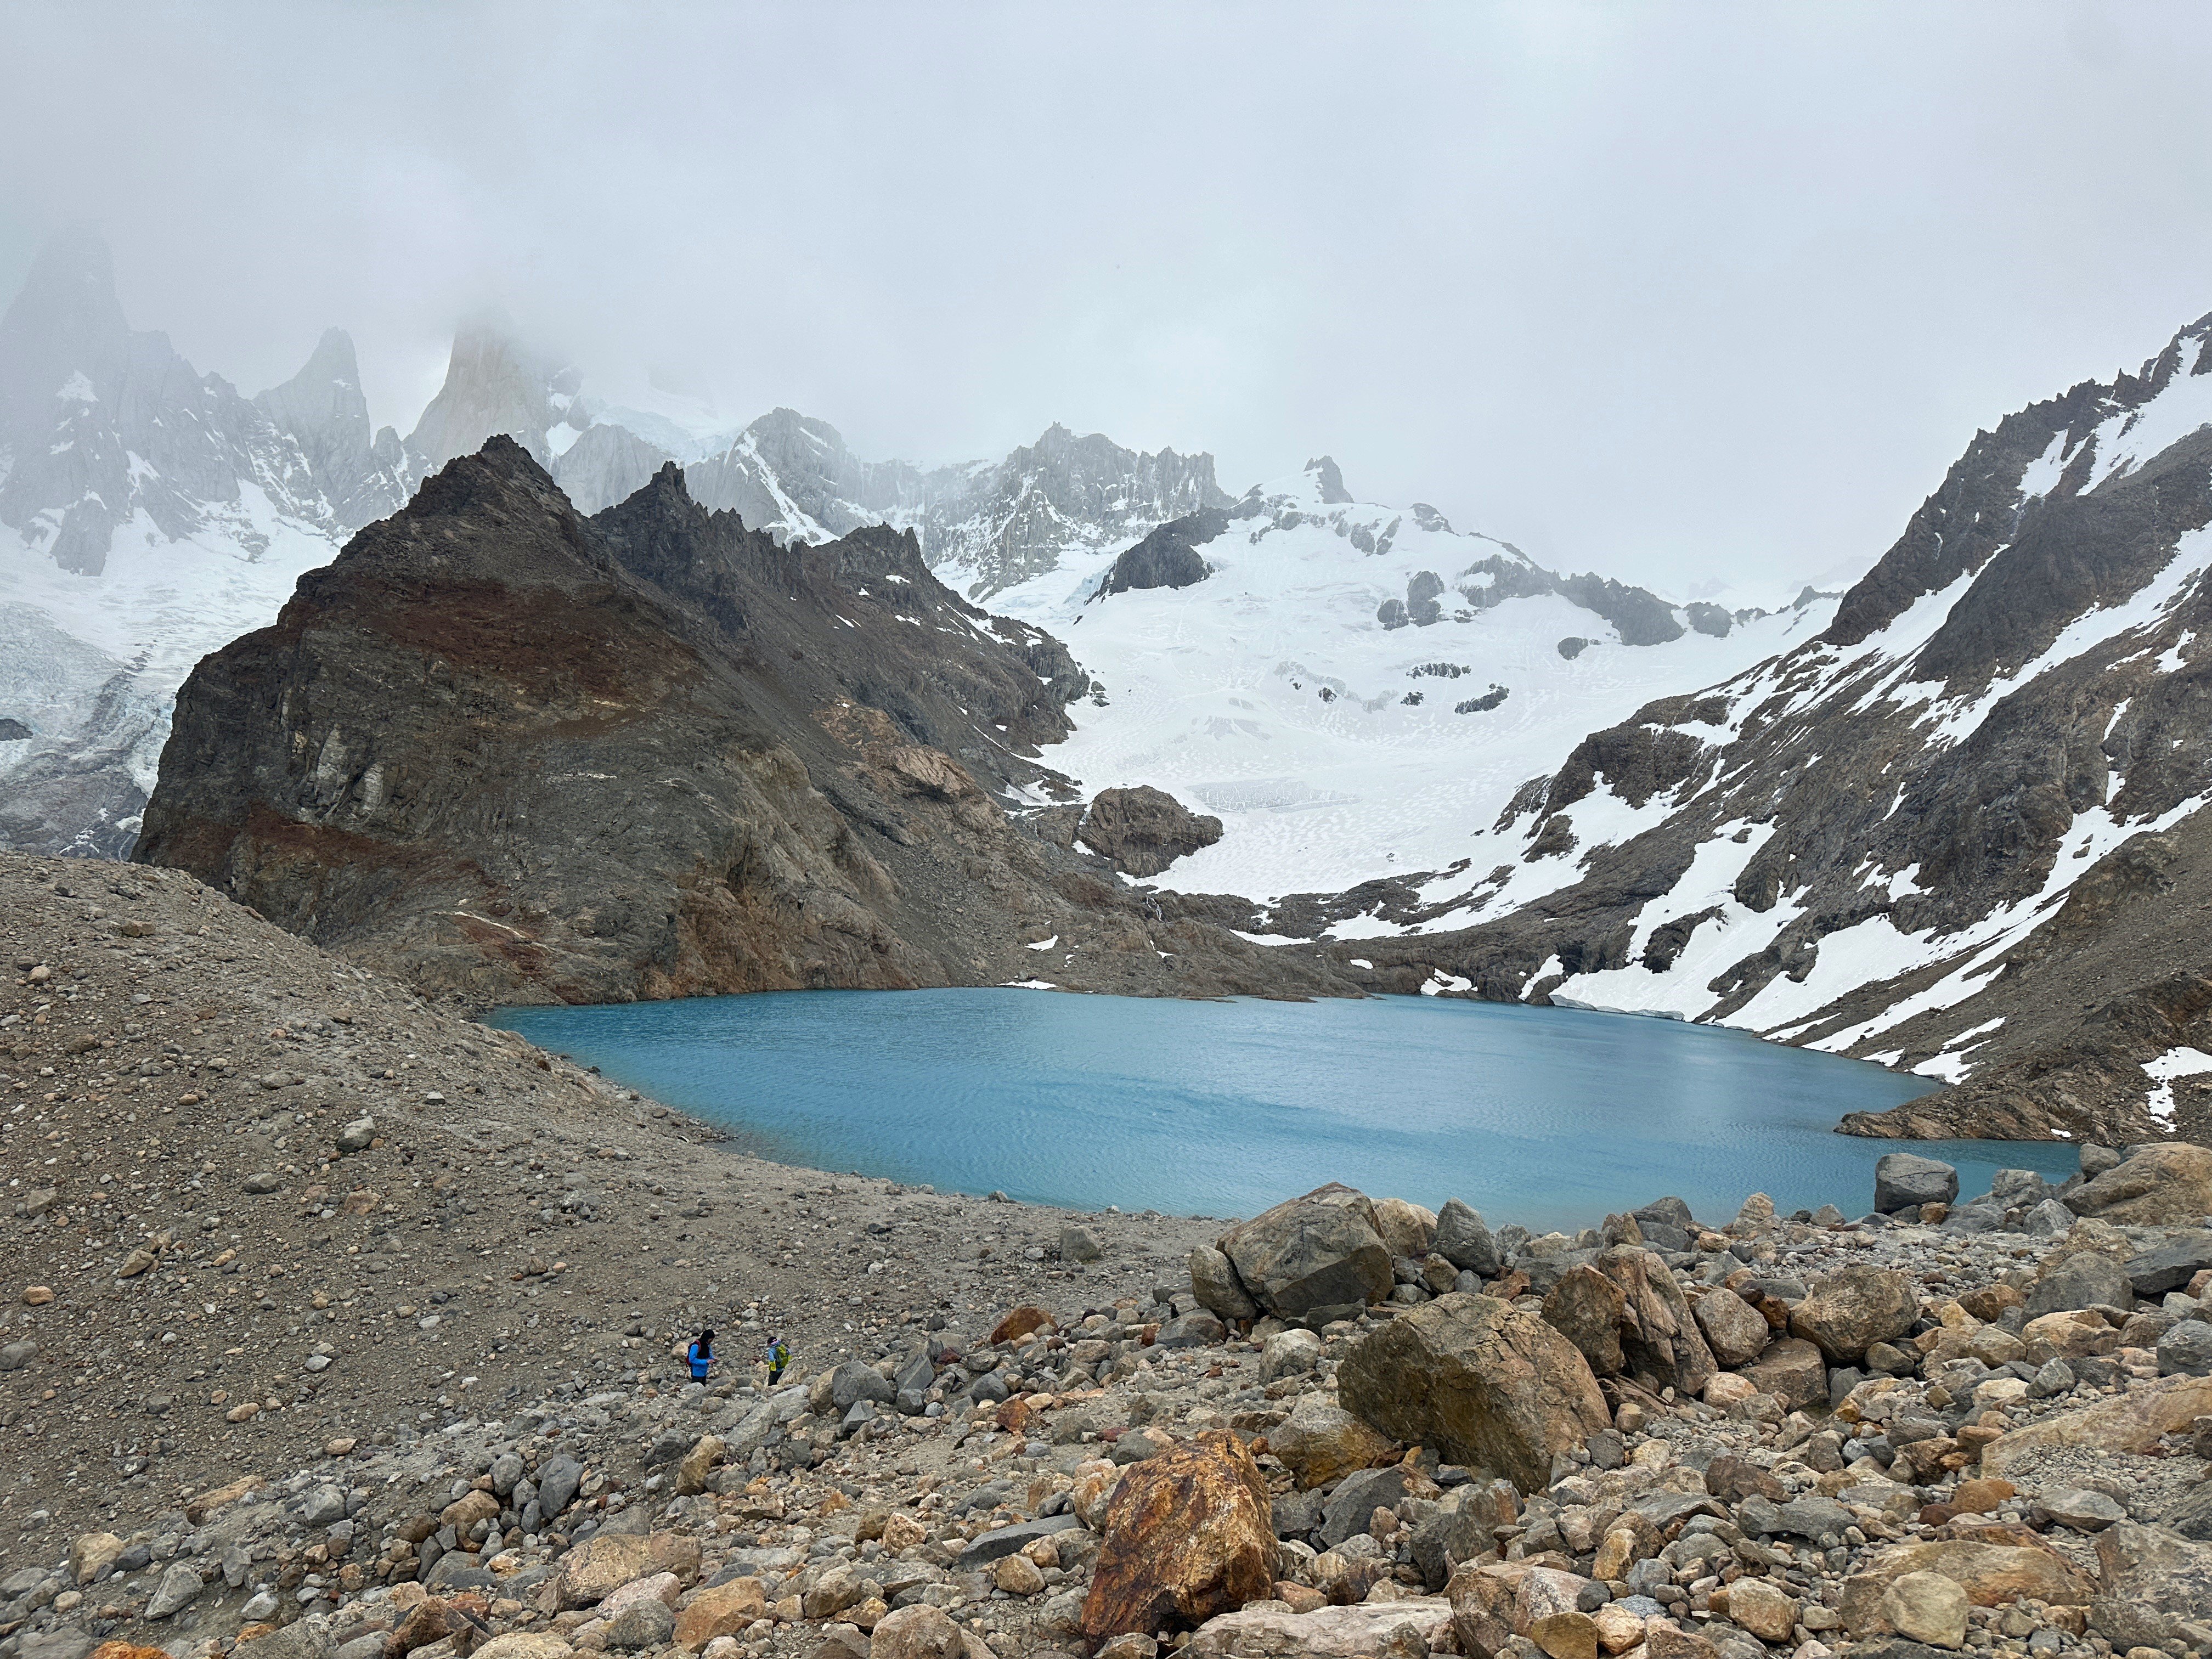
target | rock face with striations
x=1485, y=1384
x=520, y=755
x=1143, y=830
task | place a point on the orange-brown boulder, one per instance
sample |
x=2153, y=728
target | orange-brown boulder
x=1022, y=1321
x=1189, y=1534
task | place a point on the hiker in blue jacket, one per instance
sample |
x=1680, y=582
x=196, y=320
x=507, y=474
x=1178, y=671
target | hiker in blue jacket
x=701, y=1354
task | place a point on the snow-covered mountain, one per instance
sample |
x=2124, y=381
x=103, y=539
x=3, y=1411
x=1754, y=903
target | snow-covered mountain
x=148, y=513
x=1352, y=688
x=1962, y=829
x=1355, y=690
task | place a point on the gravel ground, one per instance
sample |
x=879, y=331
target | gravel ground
x=511, y=1220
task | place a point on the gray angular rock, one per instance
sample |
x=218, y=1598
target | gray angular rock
x=1193, y=1330
x=2151, y=1583
x=1355, y=1500
x=2083, y=1281
x=647, y=1622
x=322, y=1505
x=2192, y=1514
x=2171, y=1265
x=1902, y=1179
x=2082, y=1509
x=1464, y=1241
x=2185, y=1349
x=557, y=1481
x=855, y=1381
x=180, y=1583
x=1214, y=1281
x=988, y=1547
x=2049, y=1220
x=1318, y=1250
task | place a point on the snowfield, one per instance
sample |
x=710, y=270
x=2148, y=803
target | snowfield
x=1331, y=747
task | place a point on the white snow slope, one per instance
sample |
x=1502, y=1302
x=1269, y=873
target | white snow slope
x=1271, y=696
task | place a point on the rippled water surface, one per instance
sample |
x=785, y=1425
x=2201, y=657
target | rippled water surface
x=1548, y=1117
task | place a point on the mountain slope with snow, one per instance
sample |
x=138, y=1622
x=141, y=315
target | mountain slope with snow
x=1357, y=691
x=148, y=514
x=1962, y=831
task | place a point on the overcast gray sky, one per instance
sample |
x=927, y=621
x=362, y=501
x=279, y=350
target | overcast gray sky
x=1679, y=292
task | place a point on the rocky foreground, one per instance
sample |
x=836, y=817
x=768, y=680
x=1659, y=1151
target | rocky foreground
x=340, y=1329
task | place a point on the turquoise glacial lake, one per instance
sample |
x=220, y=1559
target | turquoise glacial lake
x=1548, y=1117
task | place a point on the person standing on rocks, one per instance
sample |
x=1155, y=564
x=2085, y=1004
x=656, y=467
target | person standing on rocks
x=778, y=1356
x=701, y=1354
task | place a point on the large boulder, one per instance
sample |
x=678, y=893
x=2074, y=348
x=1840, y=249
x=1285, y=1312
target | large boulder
x=1735, y=1331
x=1482, y=1382
x=1214, y=1281
x=1586, y=1307
x=1408, y=1230
x=1991, y=1575
x=722, y=1609
x=2159, y=1185
x=1143, y=830
x=2170, y=1265
x=1793, y=1371
x=1463, y=1240
x=601, y=1565
x=1850, y=1310
x=2131, y=1422
x=2153, y=1587
x=920, y=1631
x=1903, y=1180
x=1659, y=1338
x=1317, y=1254
x=2086, y=1279
x=1189, y=1534
x=1321, y=1442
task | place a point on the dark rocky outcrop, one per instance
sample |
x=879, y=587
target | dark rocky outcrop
x=516, y=754
x=1143, y=830
x=1169, y=557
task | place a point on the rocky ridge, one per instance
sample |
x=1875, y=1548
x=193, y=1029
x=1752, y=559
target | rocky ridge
x=512, y=754
x=1958, y=833
x=1344, y=1427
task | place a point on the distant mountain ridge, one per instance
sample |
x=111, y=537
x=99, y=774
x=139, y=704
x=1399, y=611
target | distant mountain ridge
x=157, y=513
x=1963, y=830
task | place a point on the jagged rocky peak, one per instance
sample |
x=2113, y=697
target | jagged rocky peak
x=991, y=528
x=694, y=760
x=99, y=424
x=360, y=471
x=606, y=463
x=1965, y=831
x=793, y=476
x=496, y=385
x=1328, y=480
x=66, y=322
